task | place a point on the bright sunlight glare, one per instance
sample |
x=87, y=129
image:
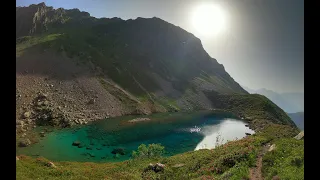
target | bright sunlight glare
x=209, y=19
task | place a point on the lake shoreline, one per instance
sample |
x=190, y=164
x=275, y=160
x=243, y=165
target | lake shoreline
x=100, y=138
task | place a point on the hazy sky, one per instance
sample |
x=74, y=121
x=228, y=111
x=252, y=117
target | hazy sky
x=262, y=47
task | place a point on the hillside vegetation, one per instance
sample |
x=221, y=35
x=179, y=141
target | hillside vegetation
x=253, y=107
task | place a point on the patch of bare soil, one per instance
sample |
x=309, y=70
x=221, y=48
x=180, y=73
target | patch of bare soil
x=256, y=173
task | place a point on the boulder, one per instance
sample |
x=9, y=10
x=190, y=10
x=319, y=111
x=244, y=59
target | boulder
x=50, y=164
x=149, y=167
x=92, y=101
x=21, y=123
x=42, y=134
x=158, y=167
x=272, y=147
x=24, y=143
x=23, y=135
x=300, y=135
x=42, y=96
x=27, y=114
x=46, y=103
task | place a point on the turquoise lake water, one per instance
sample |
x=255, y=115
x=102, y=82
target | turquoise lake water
x=177, y=132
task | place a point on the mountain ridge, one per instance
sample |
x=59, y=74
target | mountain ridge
x=290, y=102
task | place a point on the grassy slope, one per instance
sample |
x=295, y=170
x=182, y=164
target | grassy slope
x=286, y=161
x=252, y=107
x=229, y=161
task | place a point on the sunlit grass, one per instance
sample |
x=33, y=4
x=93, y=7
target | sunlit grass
x=286, y=161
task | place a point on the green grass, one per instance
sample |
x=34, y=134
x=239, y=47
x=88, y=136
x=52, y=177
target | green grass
x=272, y=132
x=26, y=42
x=286, y=161
x=222, y=161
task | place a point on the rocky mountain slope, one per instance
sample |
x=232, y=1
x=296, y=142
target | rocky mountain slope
x=73, y=68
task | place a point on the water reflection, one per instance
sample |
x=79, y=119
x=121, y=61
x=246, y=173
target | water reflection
x=227, y=130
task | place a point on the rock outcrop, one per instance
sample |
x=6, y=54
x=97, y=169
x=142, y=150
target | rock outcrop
x=300, y=135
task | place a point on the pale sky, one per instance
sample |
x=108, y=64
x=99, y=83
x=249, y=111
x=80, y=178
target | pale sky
x=261, y=47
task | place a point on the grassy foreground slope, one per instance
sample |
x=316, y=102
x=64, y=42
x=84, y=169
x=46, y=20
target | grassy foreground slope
x=230, y=161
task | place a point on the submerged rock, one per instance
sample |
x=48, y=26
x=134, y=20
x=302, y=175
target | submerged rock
x=81, y=146
x=118, y=151
x=76, y=143
x=116, y=156
x=89, y=147
x=91, y=154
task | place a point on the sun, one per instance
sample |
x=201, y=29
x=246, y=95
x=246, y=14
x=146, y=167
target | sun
x=209, y=19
